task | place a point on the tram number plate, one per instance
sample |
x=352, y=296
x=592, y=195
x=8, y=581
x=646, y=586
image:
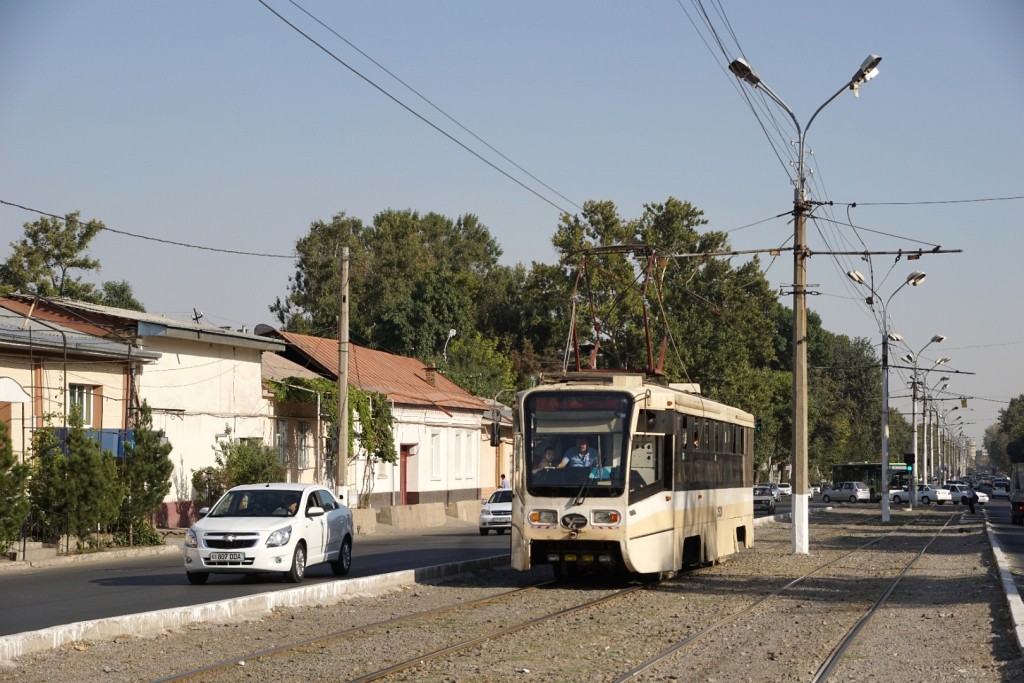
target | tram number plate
x=227, y=557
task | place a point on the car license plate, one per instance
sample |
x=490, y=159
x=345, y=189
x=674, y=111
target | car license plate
x=227, y=557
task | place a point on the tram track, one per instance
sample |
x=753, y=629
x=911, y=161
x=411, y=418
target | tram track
x=835, y=656
x=400, y=664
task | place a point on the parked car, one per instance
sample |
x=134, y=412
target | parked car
x=496, y=512
x=927, y=493
x=785, y=489
x=261, y=528
x=853, y=491
x=897, y=496
x=763, y=499
x=958, y=493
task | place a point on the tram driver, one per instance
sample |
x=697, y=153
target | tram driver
x=579, y=455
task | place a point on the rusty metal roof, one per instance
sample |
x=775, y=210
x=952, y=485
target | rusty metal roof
x=404, y=380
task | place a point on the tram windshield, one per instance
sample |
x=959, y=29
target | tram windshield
x=576, y=440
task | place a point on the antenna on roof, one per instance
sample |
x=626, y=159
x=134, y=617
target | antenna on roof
x=197, y=316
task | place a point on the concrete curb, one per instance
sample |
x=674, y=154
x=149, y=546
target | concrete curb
x=1013, y=599
x=250, y=607
x=64, y=560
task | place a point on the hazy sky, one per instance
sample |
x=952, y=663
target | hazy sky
x=217, y=125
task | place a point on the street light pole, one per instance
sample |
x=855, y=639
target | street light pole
x=914, y=279
x=800, y=496
x=937, y=339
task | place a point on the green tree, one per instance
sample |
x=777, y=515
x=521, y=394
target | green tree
x=94, y=489
x=120, y=295
x=49, y=256
x=48, y=485
x=247, y=462
x=477, y=365
x=14, y=501
x=1011, y=424
x=146, y=472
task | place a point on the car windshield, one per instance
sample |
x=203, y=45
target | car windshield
x=256, y=503
x=501, y=496
x=762, y=491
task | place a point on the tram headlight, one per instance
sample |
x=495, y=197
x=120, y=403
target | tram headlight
x=605, y=517
x=543, y=517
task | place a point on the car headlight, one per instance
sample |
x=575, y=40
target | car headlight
x=191, y=540
x=279, y=537
x=605, y=516
x=543, y=517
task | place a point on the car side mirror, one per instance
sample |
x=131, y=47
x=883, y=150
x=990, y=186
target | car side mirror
x=314, y=511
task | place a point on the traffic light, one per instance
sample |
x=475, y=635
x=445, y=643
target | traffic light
x=909, y=458
x=758, y=425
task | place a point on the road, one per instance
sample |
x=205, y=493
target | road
x=61, y=595
x=53, y=596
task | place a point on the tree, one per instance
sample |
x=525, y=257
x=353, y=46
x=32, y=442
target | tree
x=14, y=501
x=94, y=489
x=120, y=295
x=476, y=365
x=1011, y=423
x=412, y=278
x=46, y=259
x=48, y=485
x=247, y=462
x=146, y=472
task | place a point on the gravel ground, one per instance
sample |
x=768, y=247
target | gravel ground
x=946, y=621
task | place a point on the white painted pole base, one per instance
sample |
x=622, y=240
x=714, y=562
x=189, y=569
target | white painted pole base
x=801, y=534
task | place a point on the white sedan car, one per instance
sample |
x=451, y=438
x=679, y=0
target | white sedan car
x=262, y=528
x=926, y=493
x=496, y=512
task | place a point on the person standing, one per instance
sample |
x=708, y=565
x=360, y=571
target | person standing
x=972, y=497
x=505, y=484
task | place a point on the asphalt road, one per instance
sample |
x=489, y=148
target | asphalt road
x=53, y=596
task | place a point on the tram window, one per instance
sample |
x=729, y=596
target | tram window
x=645, y=464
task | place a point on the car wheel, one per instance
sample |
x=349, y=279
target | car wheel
x=826, y=499
x=925, y=500
x=897, y=500
x=343, y=564
x=853, y=499
x=197, y=578
x=483, y=532
x=298, y=569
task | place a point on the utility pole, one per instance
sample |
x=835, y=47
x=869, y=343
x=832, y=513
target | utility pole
x=800, y=496
x=341, y=479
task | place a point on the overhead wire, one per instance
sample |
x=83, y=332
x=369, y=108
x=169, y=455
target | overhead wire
x=431, y=103
x=412, y=111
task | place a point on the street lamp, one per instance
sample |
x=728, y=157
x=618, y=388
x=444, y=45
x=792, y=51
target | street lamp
x=743, y=71
x=913, y=358
x=914, y=279
x=929, y=438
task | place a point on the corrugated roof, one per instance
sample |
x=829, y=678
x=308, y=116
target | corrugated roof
x=96, y=319
x=404, y=380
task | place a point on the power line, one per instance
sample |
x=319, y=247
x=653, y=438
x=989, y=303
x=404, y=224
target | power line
x=412, y=111
x=153, y=239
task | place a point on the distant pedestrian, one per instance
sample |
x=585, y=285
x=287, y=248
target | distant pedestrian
x=972, y=497
x=505, y=484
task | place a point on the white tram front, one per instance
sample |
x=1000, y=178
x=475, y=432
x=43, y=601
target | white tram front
x=664, y=481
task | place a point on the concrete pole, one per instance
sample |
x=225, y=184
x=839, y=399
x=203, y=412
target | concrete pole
x=341, y=480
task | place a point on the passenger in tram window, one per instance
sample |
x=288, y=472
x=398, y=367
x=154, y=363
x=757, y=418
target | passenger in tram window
x=548, y=460
x=579, y=455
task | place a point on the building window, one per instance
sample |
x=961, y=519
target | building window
x=81, y=396
x=302, y=445
x=281, y=441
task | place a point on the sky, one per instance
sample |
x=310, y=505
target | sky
x=219, y=126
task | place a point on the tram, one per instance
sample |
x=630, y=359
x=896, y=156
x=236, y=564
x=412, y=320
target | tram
x=667, y=481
